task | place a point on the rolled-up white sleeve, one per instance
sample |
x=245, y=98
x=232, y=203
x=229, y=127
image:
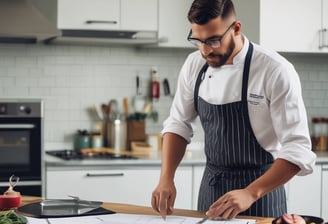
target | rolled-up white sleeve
x=289, y=120
x=182, y=113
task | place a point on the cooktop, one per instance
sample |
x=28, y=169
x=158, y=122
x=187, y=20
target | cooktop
x=68, y=154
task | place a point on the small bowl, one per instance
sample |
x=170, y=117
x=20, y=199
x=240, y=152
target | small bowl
x=312, y=219
x=308, y=219
x=10, y=201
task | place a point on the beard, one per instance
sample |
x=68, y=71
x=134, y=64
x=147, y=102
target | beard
x=221, y=59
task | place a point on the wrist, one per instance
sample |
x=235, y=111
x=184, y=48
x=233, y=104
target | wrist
x=255, y=192
x=167, y=177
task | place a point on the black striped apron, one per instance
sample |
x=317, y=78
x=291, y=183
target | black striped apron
x=234, y=158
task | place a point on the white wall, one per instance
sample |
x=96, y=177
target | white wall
x=70, y=79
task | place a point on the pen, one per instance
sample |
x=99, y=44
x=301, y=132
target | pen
x=202, y=221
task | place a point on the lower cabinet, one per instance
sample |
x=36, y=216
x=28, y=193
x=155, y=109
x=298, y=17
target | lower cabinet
x=132, y=185
x=304, y=194
x=324, y=198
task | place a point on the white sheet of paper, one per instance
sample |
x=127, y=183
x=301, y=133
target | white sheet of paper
x=120, y=218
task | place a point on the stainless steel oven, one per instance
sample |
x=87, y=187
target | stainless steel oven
x=21, y=124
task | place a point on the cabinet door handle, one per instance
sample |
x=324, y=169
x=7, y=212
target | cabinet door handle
x=101, y=21
x=325, y=39
x=321, y=38
x=104, y=175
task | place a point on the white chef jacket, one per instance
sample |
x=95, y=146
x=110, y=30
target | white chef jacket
x=276, y=109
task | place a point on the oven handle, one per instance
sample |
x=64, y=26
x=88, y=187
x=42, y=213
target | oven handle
x=17, y=126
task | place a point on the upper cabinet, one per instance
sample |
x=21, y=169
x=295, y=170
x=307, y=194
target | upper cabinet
x=90, y=14
x=282, y=25
x=139, y=15
x=173, y=26
x=292, y=25
x=108, y=15
x=286, y=25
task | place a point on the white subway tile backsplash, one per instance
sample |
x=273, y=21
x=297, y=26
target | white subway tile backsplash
x=14, y=91
x=70, y=79
x=7, y=81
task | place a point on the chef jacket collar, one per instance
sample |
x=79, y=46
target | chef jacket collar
x=240, y=57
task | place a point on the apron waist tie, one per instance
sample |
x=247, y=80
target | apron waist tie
x=218, y=173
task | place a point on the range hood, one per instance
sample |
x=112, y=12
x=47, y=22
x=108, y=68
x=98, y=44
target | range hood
x=21, y=22
x=94, y=37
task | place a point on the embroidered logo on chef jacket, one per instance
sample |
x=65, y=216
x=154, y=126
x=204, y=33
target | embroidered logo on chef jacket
x=255, y=99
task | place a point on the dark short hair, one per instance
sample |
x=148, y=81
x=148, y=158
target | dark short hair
x=202, y=11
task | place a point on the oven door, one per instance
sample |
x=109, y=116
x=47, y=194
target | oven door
x=20, y=148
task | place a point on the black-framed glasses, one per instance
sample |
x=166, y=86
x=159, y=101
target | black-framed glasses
x=213, y=42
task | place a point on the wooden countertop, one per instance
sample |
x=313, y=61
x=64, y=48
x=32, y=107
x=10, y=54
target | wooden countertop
x=136, y=209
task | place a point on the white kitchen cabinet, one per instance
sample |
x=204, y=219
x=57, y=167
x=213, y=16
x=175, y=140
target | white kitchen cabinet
x=173, y=26
x=304, y=193
x=284, y=25
x=291, y=25
x=324, y=197
x=88, y=14
x=197, y=178
x=132, y=185
x=140, y=15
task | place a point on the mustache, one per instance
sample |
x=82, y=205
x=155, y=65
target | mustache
x=212, y=55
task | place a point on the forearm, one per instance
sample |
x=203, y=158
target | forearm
x=280, y=173
x=173, y=150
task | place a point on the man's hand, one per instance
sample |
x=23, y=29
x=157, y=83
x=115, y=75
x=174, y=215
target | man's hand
x=163, y=198
x=231, y=204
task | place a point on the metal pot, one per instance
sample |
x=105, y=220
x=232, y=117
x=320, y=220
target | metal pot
x=117, y=133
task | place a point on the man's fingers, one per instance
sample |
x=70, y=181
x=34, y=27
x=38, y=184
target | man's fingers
x=170, y=204
x=154, y=203
x=163, y=200
x=163, y=204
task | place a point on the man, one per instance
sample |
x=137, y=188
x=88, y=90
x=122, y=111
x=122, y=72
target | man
x=249, y=103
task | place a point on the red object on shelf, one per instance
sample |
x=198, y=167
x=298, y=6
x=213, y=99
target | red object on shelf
x=10, y=201
x=154, y=85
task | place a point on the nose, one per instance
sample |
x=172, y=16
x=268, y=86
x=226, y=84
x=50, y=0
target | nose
x=206, y=50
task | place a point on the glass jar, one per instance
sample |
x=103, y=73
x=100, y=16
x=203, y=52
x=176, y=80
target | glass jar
x=320, y=133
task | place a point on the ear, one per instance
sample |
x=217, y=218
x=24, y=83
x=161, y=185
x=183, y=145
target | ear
x=237, y=27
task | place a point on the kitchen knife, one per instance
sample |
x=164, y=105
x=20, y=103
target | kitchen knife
x=166, y=85
x=139, y=101
x=167, y=90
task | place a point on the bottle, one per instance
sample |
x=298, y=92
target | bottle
x=320, y=133
x=154, y=86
